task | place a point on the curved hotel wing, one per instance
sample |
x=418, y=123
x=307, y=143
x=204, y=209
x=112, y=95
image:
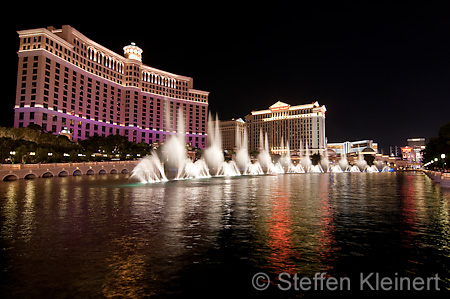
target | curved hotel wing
x=299, y=126
x=68, y=82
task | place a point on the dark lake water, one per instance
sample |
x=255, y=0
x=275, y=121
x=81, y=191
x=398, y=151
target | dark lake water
x=105, y=236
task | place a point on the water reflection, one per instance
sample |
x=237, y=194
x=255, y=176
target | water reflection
x=282, y=255
x=126, y=278
x=94, y=236
x=327, y=246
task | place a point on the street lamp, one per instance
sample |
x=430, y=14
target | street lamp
x=442, y=156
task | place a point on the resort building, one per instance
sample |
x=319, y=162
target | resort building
x=69, y=82
x=354, y=147
x=232, y=132
x=297, y=126
x=413, y=152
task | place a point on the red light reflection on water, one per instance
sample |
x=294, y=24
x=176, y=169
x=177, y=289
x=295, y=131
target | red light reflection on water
x=327, y=240
x=408, y=212
x=280, y=233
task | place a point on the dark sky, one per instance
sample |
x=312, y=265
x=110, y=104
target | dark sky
x=381, y=68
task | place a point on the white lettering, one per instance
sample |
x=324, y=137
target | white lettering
x=305, y=283
x=365, y=281
x=418, y=284
x=386, y=283
x=332, y=284
x=289, y=285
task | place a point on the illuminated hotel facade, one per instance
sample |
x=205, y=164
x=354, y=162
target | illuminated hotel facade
x=300, y=126
x=68, y=82
x=354, y=147
x=232, y=132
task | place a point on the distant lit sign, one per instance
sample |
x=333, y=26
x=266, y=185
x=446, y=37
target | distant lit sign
x=406, y=149
x=279, y=108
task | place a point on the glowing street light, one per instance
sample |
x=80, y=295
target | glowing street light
x=442, y=156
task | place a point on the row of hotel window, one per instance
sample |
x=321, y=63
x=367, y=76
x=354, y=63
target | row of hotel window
x=89, y=90
x=157, y=81
x=66, y=81
x=78, y=134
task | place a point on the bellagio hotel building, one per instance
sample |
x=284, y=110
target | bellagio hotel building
x=68, y=82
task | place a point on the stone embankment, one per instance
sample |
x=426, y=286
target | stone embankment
x=10, y=172
x=442, y=178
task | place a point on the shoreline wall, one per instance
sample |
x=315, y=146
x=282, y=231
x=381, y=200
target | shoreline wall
x=439, y=177
x=11, y=172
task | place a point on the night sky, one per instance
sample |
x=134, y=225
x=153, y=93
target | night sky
x=381, y=69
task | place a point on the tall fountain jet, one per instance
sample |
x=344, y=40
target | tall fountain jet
x=214, y=152
x=306, y=160
x=149, y=170
x=264, y=157
x=174, y=150
x=286, y=162
x=343, y=162
x=172, y=160
x=242, y=156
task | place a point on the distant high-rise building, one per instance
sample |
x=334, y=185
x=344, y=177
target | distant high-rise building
x=297, y=126
x=413, y=151
x=394, y=151
x=354, y=147
x=232, y=132
x=69, y=82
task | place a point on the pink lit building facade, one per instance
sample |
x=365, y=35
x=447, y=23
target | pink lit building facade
x=68, y=82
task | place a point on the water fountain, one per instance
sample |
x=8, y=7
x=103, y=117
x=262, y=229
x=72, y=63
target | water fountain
x=213, y=154
x=306, y=161
x=372, y=168
x=253, y=168
x=286, y=162
x=316, y=169
x=295, y=168
x=386, y=169
x=189, y=170
x=149, y=170
x=335, y=168
x=242, y=157
x=343, y=163
x=264, y=157
x=228, y=169
x=175, y=162
x=324, y=163
x=354, y=168
x=361, y=163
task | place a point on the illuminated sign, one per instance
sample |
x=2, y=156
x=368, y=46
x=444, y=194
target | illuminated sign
x=406, y=149
x=279, y=108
